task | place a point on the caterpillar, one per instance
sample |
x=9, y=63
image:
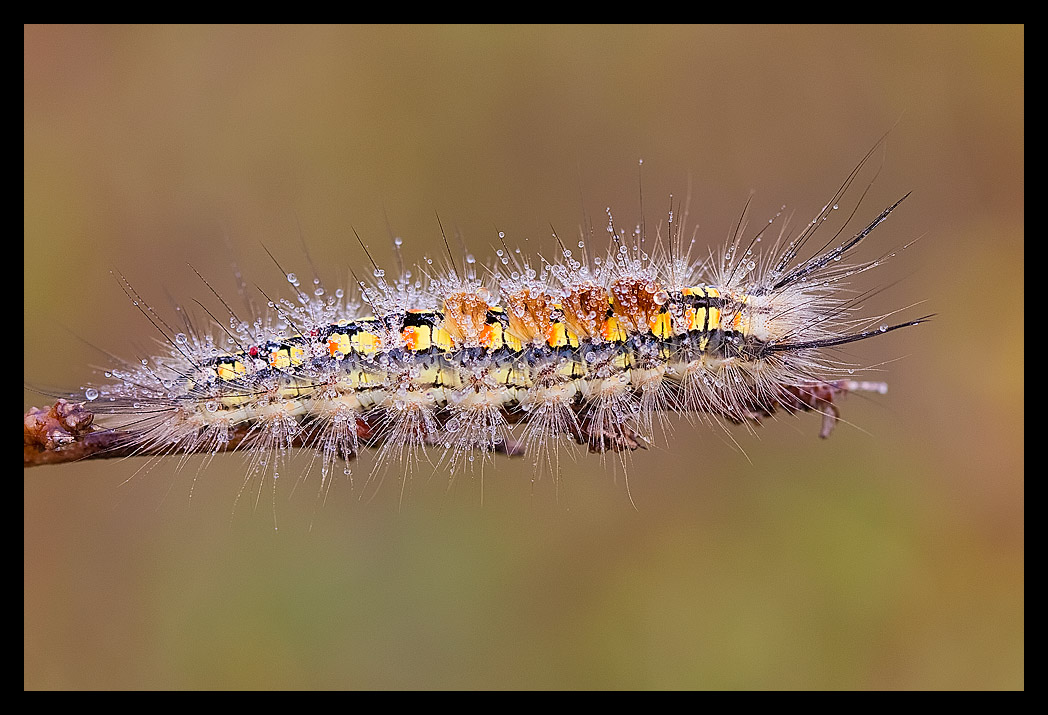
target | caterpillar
x=465, y=359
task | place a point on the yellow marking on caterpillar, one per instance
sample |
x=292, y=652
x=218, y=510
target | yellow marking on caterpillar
x=661, y=325
x=417, y=338
x=741, y=319
x=287, y=357
x=280, y=359
x=557, y=335
x=230, y=370
x=571, y=369
x=690, y=315
x=447, y=377
x=612, y=331
x=512, y=341
x=364, y=379
x=442, y=339
x=491, y=336
x=232, y=402
x=339, y=343
x=503, y=373
x=698, y=321
x=715, y=317
x=702, y=318
x=294, y=390
x=429, y=375
x=365, y=342
x=507, y=373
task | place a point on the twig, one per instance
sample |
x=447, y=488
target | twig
x=65, y=432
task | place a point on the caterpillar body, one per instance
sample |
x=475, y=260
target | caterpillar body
x=470, y=360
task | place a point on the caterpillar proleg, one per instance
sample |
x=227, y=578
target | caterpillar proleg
x=593, y=346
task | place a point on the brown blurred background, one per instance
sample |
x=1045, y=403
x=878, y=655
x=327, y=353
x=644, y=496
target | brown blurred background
x=890, y=556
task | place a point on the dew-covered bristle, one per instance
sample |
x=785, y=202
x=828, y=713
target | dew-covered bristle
x=596, y=342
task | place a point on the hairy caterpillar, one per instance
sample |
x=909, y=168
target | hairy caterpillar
x=469, y=359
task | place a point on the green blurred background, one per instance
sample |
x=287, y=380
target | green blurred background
x=890, y=556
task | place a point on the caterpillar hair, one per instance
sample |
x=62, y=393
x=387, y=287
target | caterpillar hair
x=459, y=360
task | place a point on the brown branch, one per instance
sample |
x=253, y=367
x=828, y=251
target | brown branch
x=65, y=432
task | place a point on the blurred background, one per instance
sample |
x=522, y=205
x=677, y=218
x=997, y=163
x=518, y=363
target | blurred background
x=889, y=556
